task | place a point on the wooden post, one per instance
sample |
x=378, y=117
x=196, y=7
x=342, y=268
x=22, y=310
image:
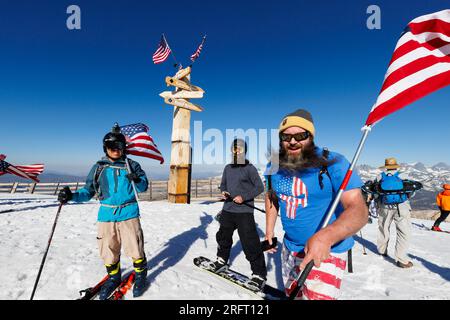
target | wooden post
x=14, y=187
x=210, y=187
x=180, y=155
x=32, y=187
x=151, y=191
x=196, y=188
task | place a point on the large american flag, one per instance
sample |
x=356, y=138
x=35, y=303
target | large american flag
x=419, y=66
x=294, y=193
x=27, y=172
x=162, y=53
x=196, y=54
x=139, y=142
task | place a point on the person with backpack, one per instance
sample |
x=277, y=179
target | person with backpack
x=118, y=216
x=302, y=181
x=394, y=206
x=443, y=202
x=239, y=186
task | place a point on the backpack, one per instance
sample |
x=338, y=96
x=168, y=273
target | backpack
x=394, y=187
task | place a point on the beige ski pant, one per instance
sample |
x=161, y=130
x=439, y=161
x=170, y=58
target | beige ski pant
x=112, y=236
x=401, y=215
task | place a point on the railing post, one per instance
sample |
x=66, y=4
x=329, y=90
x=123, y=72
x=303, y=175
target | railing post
x=151, y=191
x=210, y=187
x=196, y=188
x=57, y=187
x=32, y=187
x=14, y=187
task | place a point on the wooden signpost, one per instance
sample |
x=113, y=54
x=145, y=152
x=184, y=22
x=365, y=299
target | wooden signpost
x=180, y=158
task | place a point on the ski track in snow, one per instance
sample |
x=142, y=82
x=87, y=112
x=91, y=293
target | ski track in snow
x=174, y=235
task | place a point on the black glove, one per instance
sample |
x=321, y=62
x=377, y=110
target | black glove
x=133, y=177
x=65, y=195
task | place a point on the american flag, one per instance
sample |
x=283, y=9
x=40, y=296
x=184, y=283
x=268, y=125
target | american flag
x=162, y=53
x=139, y=142
x=196, y=54
x=419, y=66
x=27, y=172
x=294, y=193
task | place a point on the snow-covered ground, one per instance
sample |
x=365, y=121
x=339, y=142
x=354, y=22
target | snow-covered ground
x=174, y=235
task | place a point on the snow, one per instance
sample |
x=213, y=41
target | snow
x=174, y=235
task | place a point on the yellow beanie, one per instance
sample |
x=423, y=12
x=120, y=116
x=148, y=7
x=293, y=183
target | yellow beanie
x=300, y=118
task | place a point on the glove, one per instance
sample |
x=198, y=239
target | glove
x=133, y=177
x=65, y=195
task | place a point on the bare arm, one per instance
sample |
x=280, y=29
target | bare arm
x=352, y=219
x=271, y=219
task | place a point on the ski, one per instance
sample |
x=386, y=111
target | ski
x=123, y=288
x=424, y=227
x=240, y=280
x=91, y=292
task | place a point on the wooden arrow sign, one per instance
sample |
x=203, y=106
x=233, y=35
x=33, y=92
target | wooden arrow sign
x=182, y=73
x=182, y=103
x=171, y=81
x=183, y=94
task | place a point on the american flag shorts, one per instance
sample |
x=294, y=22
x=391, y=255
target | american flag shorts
x=322, y=283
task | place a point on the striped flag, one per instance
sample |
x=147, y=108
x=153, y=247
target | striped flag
x=140, y=143
x=294, y=193
x=419, y=66
x=196, y=54
x=27, y=172
x=162, y=53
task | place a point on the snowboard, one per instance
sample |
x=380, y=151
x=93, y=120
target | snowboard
x=240, y=280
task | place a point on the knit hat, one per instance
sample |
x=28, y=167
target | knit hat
x=299, y=118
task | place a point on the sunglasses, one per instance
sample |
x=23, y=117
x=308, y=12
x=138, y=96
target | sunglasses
x=237, y=149
x=298, y=136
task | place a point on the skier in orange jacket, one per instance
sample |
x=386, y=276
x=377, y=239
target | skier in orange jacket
x=443, y=202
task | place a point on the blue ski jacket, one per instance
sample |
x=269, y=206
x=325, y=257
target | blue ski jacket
x=108, y=181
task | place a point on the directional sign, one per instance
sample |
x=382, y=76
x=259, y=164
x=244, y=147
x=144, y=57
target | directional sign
x=182, y=73
x=182, y=103
x=183, y=94
x=172, y=81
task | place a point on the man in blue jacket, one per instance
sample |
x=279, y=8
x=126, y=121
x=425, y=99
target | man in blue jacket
x=118, y=216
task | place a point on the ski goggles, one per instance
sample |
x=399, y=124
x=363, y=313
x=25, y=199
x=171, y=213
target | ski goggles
x=115, y=145
x=297, y=136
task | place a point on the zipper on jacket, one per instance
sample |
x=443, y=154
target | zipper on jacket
x=116, y=178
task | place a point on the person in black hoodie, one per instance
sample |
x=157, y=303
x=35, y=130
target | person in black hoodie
x=240, y=185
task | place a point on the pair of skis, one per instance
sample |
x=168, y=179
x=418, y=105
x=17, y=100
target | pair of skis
x=119, y=292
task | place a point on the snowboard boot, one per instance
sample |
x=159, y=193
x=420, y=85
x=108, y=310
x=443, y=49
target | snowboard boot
x=140, y=281
x=218, y=266
x=114, y=280
x=257, y=282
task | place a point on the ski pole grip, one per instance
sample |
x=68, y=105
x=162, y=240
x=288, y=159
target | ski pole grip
x=301, y=280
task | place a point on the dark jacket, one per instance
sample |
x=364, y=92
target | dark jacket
x=244, y=181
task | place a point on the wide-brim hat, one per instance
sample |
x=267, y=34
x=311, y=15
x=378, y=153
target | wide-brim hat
x=390, y=163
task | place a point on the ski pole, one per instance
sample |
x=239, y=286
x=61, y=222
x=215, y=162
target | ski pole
x=46, y=251
x=248, y=205
x=364, y=247
x=301, y=278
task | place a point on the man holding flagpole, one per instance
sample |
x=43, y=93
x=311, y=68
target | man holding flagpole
x=302, y=182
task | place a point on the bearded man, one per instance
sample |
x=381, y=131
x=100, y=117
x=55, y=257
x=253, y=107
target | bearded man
x=302, y=181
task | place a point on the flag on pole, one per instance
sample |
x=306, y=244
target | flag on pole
x=139, y=142
x=196, y=54
x=162, y=53
x=419, y=66
x=27, y=172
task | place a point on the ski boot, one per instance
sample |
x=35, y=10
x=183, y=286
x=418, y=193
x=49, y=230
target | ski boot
x=140, y=282
x=114, y=280
x=436, y=228
x=256, y=283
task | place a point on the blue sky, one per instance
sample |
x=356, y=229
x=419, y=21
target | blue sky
x=61, y=90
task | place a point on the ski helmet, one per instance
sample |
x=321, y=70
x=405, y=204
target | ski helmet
x=114, y=139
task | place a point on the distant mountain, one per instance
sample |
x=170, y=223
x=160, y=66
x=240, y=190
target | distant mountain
x=432, y=179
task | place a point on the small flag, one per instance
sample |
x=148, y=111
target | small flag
x=196, y=54
x=140, y=143
x=162, y=53
x=27, y=172
x=420, y=65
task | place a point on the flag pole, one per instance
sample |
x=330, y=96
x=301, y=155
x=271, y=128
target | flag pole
x=300, y=280
x=201, y=44
x=171, y=52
